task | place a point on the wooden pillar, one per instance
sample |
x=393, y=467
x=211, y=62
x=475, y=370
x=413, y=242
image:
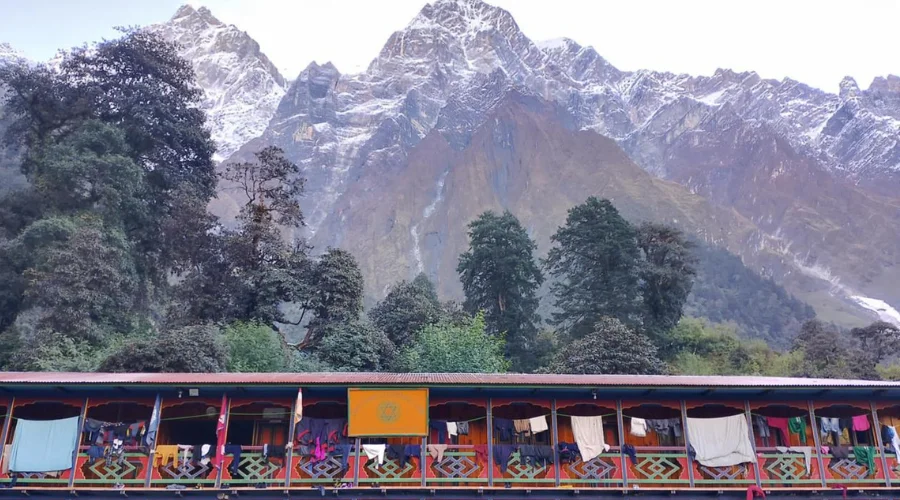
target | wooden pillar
x=157, y=410
x=877, y=430
x=358, y=444
x=752, y=442
x=423, y=460
x=81, y=418
x=620, y=421
x=687, y=444
x=227, y=421
x=490, y=441
x=815, y=432
x=7, y=421
x=555, y=443
x=289, y=457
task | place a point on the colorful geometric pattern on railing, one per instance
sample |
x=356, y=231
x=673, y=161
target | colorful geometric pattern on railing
x=597, y=470
x=519, y=471
x=848, y=469
x=129, y=471
x=320, y=471
x=457, y=465
x=187, y=472
x=785, y=469
x=731, y=473
x=254, y=469
x=658, y=468
x=389, y=472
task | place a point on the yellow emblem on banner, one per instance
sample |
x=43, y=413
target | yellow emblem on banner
x=387, y=412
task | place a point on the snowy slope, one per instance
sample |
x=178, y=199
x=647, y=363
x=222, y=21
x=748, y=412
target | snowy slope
x=242, y=87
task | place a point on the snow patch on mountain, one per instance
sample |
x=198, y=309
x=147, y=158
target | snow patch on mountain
x=242, y=88
x=884, y=310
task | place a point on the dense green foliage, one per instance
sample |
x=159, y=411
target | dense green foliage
x=407, y=308
x=255, y=347
x=109, y=260
x=453, y=348
x=500, y=278
x=727, y=291
x=193, y=349
x=610, y=347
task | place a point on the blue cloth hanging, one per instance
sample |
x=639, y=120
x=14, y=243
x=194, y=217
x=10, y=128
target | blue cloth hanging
x=43, y=445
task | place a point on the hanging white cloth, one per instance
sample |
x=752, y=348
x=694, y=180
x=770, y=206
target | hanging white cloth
x=638, y=427
x=538, y=424
x=805, y=450
x=375, y=451
x=589, y=437
x=451, y=429
x=718, y=442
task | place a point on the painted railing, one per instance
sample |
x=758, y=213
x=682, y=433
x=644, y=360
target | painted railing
x=658, y=467
x=461, y=465
x=254, y=469
x=186, y=472
x=605, y=471
x=784, y=470
x=306, y=470
x=130, y=470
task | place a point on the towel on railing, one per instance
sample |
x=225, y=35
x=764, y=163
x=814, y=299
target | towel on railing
x=721, y=441
x=44, y=445
x=166, y=453
x=538, y=424
x=588, y=433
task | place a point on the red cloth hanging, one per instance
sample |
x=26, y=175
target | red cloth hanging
x=220, y=434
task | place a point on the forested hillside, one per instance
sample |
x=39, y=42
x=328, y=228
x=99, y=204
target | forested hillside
x=110, y=261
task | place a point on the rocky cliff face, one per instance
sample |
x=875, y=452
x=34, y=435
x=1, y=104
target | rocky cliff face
x=242, y=87
x=386, y=152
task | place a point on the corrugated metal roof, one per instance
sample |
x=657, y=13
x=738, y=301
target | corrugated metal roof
x=461, y=379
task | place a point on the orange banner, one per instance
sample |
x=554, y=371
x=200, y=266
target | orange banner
x=387, y=412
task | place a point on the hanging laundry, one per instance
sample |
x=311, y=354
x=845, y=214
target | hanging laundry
x=762, y=427
x=827, y=425
x=505, y=428
x=721, y=441
x=631, y=452
x=536, y=454
x=375, y=451
x=538, y=424
x=94, y=453
x=589, y=436
x=44, y=445
x=568, y=452
x=436, y=451
x=638, y=427
x=462, y=428
x=522, y=426
x=441, y=427
x=502, y=454
x=860, y=423
x=166, y=453
x=781, y=424
x=805, y=450
x=451, y=428
x=889, y=435
x=865, y=455
x=797, y=425
x=665, y=426
x=235, y=451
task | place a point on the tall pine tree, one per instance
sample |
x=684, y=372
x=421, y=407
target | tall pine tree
x=596, y=268
x=500, y=277
x=667, y=275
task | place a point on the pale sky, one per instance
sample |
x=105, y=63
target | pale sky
x=816, y=42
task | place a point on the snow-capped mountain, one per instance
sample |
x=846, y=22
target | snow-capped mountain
x=758, y=147
x=242, y=87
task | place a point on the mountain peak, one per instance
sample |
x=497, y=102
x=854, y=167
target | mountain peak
x=463, y=17
x=849, y=88
x=187, y=13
